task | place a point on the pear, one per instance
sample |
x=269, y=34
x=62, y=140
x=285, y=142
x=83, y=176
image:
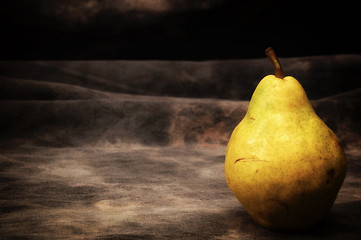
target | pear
x=283, y=164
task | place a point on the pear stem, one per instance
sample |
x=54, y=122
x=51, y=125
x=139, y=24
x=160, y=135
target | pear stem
x=275, y=62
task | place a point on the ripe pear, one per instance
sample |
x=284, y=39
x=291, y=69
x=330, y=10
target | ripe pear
x=283, y=163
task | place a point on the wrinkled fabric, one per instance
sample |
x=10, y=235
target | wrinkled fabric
x=135, y=149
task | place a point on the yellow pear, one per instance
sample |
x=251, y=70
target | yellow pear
x=283, y=163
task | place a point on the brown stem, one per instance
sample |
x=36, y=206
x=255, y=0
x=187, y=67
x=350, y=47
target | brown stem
x=275, y=62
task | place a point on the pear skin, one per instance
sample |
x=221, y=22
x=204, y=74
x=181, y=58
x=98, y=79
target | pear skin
x=283, y=164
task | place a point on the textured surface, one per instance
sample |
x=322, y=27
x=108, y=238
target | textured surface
x=135, y=150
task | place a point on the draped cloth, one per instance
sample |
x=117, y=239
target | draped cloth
x=135, y=149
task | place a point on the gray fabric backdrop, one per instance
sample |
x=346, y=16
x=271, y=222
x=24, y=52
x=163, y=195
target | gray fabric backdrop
x=135, y=149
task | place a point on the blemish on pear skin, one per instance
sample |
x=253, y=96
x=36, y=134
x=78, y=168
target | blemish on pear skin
x=249, y=159
x=252, y=118
x=281, y=203
x=239, y=159
x=330, y=175
x=228, y=180
x=334, y=137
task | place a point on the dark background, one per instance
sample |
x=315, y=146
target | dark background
x=175, y=29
